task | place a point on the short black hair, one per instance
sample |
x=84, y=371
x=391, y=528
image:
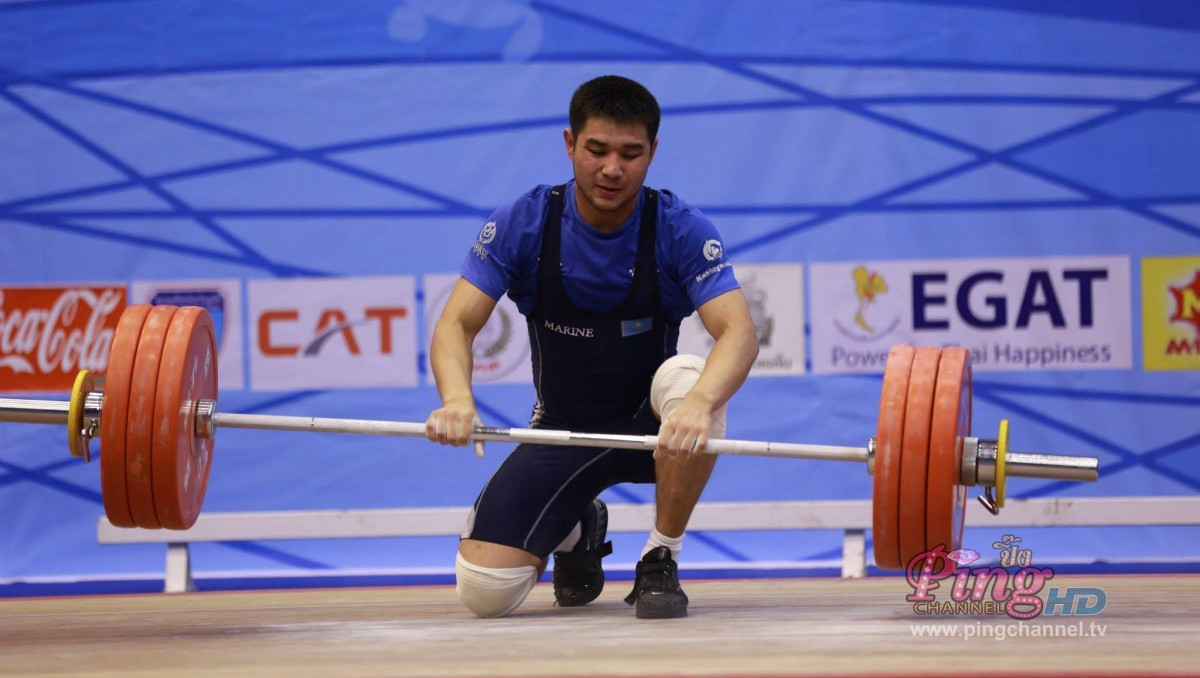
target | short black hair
x=618, y=99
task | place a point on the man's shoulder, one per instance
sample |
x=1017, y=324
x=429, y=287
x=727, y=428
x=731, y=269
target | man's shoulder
x=526, y=209
x=679, y=215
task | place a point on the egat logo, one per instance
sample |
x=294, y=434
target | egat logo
x=987, y=300
x=332, y=325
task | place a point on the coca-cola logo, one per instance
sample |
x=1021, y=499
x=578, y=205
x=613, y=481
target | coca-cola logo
x=48, y=334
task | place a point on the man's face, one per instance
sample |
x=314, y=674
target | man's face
x=610, y=161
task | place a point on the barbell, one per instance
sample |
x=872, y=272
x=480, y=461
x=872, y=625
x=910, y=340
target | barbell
x=157, y=418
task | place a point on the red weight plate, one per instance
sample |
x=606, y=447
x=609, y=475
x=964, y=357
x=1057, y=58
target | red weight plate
x=117, y=379
x=889, y=442
x=187, y=373
x=914, y=465
x=946, y=497
x=139, y=429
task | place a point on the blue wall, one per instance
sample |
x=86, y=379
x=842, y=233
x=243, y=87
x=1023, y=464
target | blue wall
x=148, y=142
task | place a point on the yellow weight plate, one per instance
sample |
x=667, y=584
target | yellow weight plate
x=77, y=439
x=1001, y=470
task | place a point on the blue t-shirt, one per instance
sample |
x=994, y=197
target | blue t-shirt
x=598, y=267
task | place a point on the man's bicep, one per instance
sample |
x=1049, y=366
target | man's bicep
x=468, y=306
x=724, y=311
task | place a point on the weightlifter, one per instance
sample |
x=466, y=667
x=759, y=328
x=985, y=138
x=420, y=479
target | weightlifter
x=604, y=269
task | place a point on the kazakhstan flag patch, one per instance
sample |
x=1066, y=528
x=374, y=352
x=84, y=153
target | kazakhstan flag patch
x=636, y=326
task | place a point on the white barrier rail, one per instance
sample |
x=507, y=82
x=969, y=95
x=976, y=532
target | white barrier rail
x=852, y=517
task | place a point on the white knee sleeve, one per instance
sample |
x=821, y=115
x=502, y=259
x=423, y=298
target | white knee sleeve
x=674, y=378
x=492, y=591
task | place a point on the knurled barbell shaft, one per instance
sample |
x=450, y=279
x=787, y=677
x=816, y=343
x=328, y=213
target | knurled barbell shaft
x=55, y=412
x=531, y=435
x=1028, y=465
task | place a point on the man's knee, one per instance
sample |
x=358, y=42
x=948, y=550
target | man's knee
x=672, y=381
x=492, y=591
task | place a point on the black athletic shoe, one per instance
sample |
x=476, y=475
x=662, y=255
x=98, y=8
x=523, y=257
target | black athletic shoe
x=578, y=576
x=656, y=591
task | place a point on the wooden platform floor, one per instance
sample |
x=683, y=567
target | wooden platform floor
x=736, y=628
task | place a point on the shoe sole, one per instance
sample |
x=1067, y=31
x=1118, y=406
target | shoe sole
x=662, y=614
x=601, y=519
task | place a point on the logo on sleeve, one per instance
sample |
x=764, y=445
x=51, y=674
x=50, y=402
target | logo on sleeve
x=713, y=250
x=486, y=235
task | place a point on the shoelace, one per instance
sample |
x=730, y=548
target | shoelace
x=651, y=576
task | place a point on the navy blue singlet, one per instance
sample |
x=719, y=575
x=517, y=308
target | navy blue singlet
x=592, y=372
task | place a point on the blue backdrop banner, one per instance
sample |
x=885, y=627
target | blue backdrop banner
x=1015, y=176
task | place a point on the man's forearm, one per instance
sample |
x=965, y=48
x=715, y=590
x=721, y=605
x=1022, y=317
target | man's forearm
x=453, y=363
x=727, y=366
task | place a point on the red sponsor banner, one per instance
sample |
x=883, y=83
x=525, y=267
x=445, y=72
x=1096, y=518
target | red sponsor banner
x=48, y=334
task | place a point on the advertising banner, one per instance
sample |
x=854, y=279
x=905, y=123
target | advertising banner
x=48, y=334
x=1171, y=313
x=1060, y=313
x=331, y=333
x=223, y=301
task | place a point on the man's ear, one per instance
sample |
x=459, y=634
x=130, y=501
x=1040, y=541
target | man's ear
x=569, y=140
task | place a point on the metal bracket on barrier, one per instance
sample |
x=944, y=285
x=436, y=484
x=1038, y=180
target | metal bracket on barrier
x=179, y=569
x=854, y=554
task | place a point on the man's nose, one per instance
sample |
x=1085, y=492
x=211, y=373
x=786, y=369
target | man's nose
x=611, y=166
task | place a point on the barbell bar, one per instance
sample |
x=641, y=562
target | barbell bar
x=55, y=412
x=157, y=420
